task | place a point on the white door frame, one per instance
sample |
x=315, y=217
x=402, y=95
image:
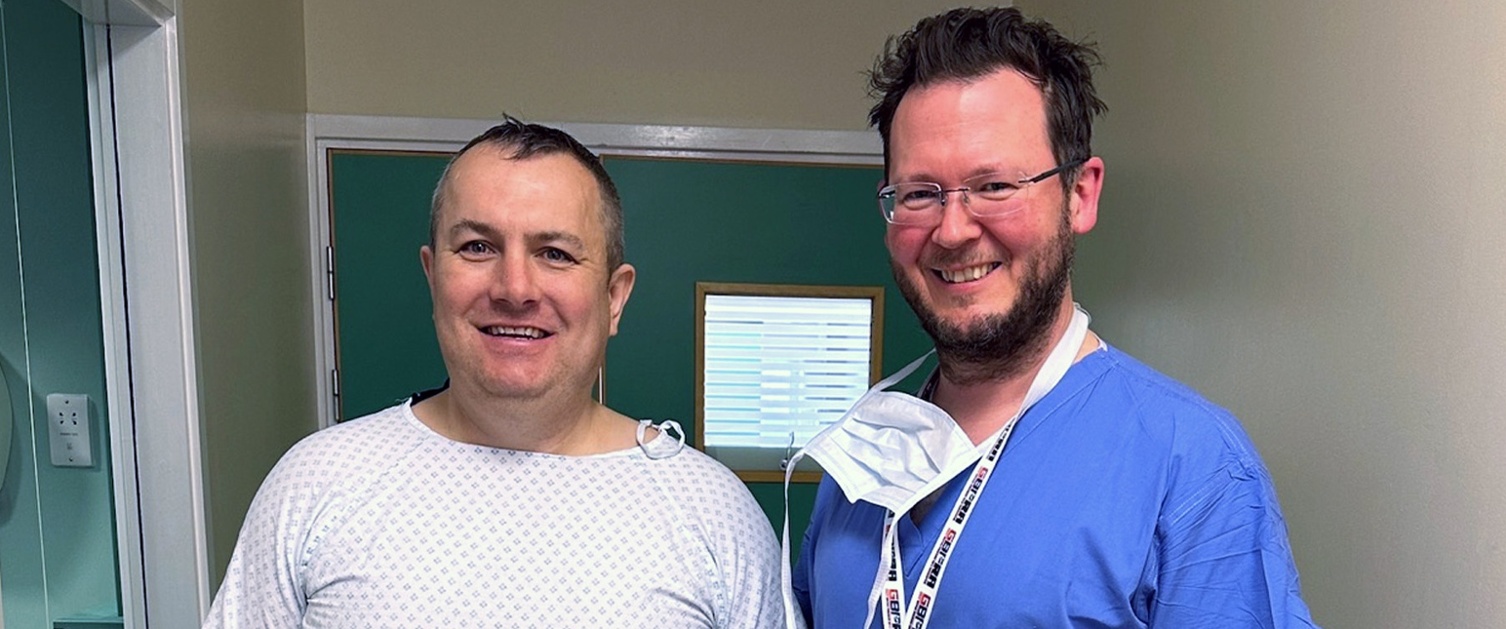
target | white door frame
x=326, y=132
x=143, y=231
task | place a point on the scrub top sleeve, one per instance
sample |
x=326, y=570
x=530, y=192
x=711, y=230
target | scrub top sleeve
x=801, y=576
x=1224, y=557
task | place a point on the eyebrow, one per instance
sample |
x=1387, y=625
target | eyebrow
x=467, y=225
x=558, y=236
x=990, y=168
x=488, y=232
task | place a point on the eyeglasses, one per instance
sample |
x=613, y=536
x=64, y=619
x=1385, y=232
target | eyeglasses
x=984, y=196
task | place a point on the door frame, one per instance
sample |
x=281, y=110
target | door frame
x=146, y=292
x=328, y=132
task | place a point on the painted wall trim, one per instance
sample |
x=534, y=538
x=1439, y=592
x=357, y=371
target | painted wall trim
x=121, y=12
x=852, y=146
x=112, y=293
x=147, y=292
x=326, y=132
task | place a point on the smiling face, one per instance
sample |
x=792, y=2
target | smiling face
x=987, y=290
x=523, y=300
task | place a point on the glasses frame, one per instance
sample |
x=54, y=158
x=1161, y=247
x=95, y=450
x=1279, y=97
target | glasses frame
x=886, y=194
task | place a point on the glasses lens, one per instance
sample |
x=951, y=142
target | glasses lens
x=993, y=194
x=993, y=187
x=910, y=202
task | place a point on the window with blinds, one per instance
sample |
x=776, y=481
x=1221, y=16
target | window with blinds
x=777, y=364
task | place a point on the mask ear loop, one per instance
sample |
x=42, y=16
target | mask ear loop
x=663, y=426
x=786, y=571
x=891, y=531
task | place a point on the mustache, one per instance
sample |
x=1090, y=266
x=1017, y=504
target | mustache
x=958, y=257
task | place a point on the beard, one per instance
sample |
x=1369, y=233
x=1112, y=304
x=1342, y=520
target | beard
x=999, y=345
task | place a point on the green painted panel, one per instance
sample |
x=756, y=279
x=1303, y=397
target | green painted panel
x=689, y=221
x=685, y=220
x=385, y=333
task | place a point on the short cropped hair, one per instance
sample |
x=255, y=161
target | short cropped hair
x=522, y=140
x=965, y=44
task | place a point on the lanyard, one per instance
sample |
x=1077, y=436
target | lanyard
x=917, y=615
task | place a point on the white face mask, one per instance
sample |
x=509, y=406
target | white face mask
x=892, y=449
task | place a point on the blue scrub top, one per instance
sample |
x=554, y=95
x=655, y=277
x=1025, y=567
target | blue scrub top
x=1123, y=499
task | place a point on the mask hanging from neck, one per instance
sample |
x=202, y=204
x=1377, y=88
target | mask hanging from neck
x=893, y=449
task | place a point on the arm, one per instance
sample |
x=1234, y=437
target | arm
x=801, y=579
x=754, y=583
x=1224, y=559
x=263, y=585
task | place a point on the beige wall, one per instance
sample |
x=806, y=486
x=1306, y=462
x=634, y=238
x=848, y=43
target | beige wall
x=772, y=64
x=1304, y=216
x=244, y=103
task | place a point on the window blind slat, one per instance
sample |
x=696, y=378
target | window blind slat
x=781, y=365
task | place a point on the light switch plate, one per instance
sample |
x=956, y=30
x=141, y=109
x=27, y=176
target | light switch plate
x=68, y=429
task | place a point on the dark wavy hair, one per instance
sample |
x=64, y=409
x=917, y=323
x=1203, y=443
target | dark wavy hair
x=523, y=140
x=965, y=44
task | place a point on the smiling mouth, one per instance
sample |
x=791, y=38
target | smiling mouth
x=522, y=332
x=966, y=274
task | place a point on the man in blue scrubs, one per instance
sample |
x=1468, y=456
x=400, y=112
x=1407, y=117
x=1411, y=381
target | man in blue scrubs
x=1104, y=494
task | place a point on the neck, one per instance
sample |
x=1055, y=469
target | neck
x=576, y=426
x=981, y=408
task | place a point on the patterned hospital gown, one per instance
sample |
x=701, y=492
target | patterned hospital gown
x=381, y=522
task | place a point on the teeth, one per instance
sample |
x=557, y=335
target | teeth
x=532, y=333
x=966, y=275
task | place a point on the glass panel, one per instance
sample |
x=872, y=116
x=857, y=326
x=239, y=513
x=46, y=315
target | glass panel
x=57, y=526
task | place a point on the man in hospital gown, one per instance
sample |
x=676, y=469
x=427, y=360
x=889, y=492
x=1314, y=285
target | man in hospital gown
x=1120, y=498
x=509, y=497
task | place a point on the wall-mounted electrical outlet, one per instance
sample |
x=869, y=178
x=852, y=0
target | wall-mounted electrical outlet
x=68, y=429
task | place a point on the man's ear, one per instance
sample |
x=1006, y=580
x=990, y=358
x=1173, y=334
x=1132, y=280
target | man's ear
x=1083, y=199
x=619, y=287
x=426, y=258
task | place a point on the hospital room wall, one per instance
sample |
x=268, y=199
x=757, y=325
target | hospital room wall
x=783, y=64
x=244, y=114
x=1304, y=217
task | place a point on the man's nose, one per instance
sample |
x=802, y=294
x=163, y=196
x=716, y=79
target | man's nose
x=516, y=280
x=957, y=225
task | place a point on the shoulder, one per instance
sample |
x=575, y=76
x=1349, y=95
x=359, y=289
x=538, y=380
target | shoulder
x=1209, y=459
x=354, y=446
x=305, y=497
x=695, y=478
x=720, y=515
x=338, y=459
x=1219, y=520
x=711, y=500
x=1186, y=421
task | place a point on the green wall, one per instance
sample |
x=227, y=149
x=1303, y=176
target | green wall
x=685, y=220
x=693, y=221
x=385, y=331
x=57, y=539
